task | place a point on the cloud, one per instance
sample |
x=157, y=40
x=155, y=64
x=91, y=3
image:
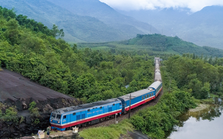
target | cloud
x=194, y=5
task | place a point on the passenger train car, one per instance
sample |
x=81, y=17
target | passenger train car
x=137, y=98
x=91, y=113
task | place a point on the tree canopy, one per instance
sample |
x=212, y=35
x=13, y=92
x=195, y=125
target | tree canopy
x=30, y=48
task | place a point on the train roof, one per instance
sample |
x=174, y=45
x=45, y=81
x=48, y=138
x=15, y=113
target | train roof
x=136, y=94
x=155, y=84
x=85, y=106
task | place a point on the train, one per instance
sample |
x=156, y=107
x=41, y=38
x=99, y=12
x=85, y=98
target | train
x=91, y=113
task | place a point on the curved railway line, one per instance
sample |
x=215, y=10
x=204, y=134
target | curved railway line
x=103, y=113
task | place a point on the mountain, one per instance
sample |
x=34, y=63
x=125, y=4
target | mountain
x=203, y=27
x=163, y=19
x=77, y=27
x=106, y=14
x=156, y=44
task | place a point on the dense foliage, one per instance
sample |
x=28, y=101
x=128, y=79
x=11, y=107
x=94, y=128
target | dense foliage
x=87, y=74
x=156, y=121
x=197, y=75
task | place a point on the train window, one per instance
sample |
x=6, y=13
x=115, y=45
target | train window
x=120, y=104
x=64, y=117
x=145, y=96
x=142, y=97
x=100, y=107
x=74, y=113
x=88, y=110
x=113, y=104
x=53, y=115
x=58, y=116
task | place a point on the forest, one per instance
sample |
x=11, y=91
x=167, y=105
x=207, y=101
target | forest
x=40, y=53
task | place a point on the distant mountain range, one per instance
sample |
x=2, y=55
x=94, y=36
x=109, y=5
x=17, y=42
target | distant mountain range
x=204, y=27
x=155, y=44
x=94, y=21
x=82, y=20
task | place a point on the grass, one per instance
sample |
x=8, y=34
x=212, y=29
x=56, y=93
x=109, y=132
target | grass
x=113, y=131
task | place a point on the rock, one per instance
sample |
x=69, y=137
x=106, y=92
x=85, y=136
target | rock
x=20, y=93
x=47, y=108
x=28, y=120
x=16, y=134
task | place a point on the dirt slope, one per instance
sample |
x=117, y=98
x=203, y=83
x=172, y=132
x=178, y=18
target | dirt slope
x=20, y=91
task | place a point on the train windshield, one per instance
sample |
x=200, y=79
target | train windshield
x=53, y=115
x=58, y=116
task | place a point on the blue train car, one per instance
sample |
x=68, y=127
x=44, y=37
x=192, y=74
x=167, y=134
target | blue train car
x=137, y=98
x=63, y=118
x=157, y=86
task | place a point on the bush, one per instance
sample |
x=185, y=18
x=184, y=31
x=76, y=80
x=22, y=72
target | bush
x=9, y=115
x=33, y=109
x=159, y=119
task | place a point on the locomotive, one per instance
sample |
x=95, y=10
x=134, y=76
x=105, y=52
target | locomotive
x=91, y=113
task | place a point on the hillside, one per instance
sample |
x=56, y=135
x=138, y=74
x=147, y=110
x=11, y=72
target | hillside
x=17, y=89
x=202, y=28
x=77, y=27
x=39, y=66
x=156, y=44
x=103, y=12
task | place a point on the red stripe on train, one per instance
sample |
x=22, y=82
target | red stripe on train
x=145, y=101
x=142, y=102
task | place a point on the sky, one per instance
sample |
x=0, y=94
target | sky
x=193, y=5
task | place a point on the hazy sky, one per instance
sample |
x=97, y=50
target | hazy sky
x=194, y=5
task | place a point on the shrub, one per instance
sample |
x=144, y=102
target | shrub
x=33, y=109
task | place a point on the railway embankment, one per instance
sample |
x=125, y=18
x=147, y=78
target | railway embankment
x=25, y=106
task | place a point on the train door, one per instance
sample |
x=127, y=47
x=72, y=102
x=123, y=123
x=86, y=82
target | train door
x=73, y=116
x=65, y=119
x=100, y=110
x=123, y=104
x=90, y=112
